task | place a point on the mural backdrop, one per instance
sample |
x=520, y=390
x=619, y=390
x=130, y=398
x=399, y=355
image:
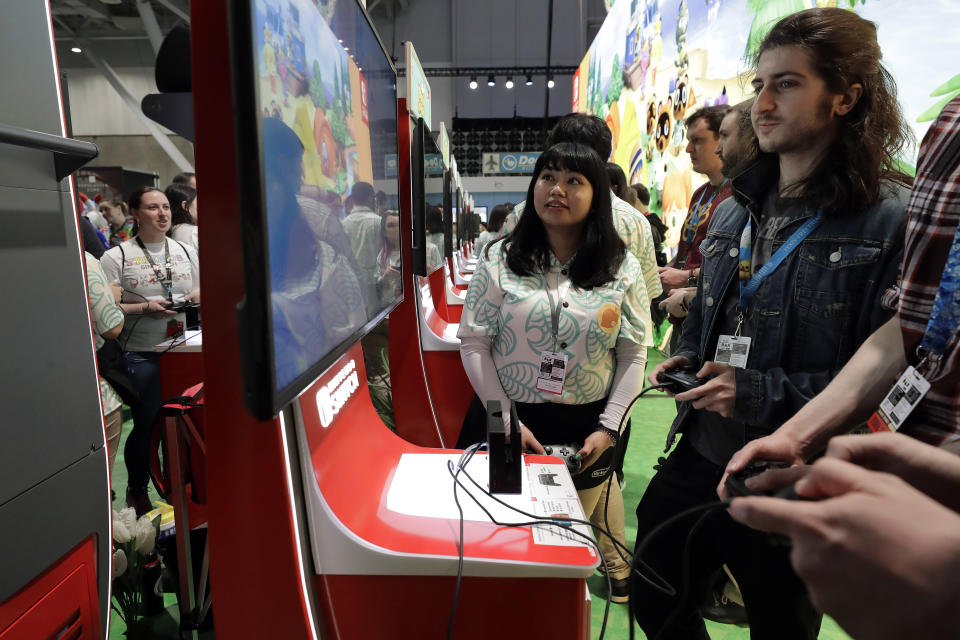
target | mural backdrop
x=655, y=61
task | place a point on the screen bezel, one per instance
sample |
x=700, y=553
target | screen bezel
x=447, y=213
x=421, y=145
x=254, y=317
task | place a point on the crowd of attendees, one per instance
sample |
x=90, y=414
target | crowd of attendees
x=808, y=275
x=814, y=287
x=334, y=264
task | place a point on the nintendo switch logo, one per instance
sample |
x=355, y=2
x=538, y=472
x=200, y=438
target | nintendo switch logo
x=334, y=395
x=364, y=101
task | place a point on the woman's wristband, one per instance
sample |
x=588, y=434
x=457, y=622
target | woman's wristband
x=610, y=433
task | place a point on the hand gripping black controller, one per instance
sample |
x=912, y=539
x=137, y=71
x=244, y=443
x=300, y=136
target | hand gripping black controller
x=736, y=483
x=680, y=379
x=183, y=305
x=567, y=452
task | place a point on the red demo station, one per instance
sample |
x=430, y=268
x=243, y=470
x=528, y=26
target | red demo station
x=346, y=528
x=322, y=520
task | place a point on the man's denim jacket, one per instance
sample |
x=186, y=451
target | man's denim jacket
x=810, y=315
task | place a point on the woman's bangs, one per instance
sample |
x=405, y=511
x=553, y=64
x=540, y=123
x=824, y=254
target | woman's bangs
x=567, y=157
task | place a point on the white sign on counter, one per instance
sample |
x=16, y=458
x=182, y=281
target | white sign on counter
x=423, y=486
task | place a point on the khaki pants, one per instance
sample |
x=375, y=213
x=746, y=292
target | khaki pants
x=593, y=502
x=113, y=424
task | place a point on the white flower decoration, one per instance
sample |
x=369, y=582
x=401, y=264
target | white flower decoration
x=119, y=563
x=123, y=526
x=146, y=536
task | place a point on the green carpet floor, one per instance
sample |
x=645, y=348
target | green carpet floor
x=651, y=420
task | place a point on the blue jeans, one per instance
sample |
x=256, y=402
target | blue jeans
x=144, y=372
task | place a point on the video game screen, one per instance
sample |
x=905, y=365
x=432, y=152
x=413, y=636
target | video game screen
x=433, y=200
x=326, y=101
x=448, y=197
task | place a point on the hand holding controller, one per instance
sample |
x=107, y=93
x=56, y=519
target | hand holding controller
x=568, y=453
x=680, y=379
x=737, y=482
x=183, y=305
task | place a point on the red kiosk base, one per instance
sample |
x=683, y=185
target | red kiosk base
x=385, y=544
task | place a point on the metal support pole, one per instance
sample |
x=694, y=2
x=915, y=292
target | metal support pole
x=546, y=83
x=150, y=24
x=178, y=158
x=180, y=13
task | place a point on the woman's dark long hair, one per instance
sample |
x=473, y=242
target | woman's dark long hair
x=177, y=194
x=618, y=180
x=601, y=250
x=498, y=216
x=843, y=48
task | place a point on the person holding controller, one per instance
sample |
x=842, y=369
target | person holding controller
x=554, y=320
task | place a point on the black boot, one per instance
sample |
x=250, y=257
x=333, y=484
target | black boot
x=138, y=499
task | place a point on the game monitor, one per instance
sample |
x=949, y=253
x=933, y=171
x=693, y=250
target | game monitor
x=448, y=197
x=316, y=119
x=457, y=227
x=426, y=176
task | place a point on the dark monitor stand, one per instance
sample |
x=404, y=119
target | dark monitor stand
x=503, y=450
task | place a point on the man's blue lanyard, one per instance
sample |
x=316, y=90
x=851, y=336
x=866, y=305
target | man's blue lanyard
x=747, y=290
x=697, y=214
x=945, y=315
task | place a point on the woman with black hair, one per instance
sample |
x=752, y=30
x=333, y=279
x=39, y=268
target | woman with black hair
x=183, y=214
x=553, y=321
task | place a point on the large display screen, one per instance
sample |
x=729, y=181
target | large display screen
x=316, y=100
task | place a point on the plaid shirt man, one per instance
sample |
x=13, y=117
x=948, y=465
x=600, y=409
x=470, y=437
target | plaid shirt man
x=932, y=217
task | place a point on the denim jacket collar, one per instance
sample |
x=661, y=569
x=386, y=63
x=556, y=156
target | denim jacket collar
x=752, y=184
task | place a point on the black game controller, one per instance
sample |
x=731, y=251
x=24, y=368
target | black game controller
x=737, y=482
x=680, y=379
x=183, y=305
x=568, y=452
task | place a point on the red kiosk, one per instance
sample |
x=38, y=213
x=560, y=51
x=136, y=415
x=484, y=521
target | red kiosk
x=324, y=523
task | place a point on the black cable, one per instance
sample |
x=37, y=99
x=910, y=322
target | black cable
x=123, y=347
x=638, y=554
x=687, y=570
x=606, y=506
x=536, y=520
x=176, y=342
x=567, y=523
x=456, y=591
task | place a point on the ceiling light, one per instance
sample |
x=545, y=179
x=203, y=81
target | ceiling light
x=529, y=80
x=473, y=82
x=509, y=83
x=76, y=49
x=550, y=82
x=491, y=82
x=346, y=48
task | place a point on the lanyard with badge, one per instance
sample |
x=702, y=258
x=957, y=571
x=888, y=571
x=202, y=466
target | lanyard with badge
x=734, y=350
x=698, y=212
x=174, y=327
x=943, y=323
x=553, y=364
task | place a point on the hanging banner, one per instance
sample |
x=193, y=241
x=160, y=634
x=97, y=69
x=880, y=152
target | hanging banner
x=512, y=162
